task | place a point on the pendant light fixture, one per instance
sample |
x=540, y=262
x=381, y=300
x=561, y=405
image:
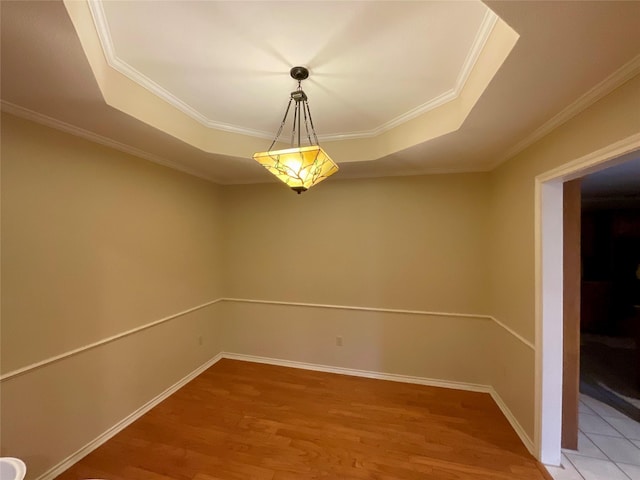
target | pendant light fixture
x=300, y=167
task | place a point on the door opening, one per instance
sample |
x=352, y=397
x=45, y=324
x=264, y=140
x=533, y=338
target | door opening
x=549, y=261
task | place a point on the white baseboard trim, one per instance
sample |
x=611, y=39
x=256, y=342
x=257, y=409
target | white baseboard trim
x=526, y=440
x=125, y=422
x=431, y=382
x=393, y=377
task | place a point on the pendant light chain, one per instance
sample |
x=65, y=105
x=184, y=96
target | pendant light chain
x=305, y=109
x=296, y=120
x=313, y=130
x=284, y=120
x=299, y=167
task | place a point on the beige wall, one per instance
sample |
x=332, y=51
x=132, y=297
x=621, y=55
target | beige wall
x=615, y=117
x=400, y=242
x=442, y=349
x=411, y=243
x=512, y=267
x=51, y=412
x=95, y=243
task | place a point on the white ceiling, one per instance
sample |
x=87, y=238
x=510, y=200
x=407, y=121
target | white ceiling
x=565, y=49
x=373, y=64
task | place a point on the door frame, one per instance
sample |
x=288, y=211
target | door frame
x=549, y=286
x=572, y=283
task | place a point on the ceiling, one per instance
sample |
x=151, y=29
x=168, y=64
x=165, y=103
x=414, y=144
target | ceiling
x=385, y=77
x=362, y=56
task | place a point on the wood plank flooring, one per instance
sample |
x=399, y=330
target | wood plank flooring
x=241, y=420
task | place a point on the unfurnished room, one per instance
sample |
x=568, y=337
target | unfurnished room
x=351, y=240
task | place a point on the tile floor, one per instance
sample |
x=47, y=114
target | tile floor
x=608, y=446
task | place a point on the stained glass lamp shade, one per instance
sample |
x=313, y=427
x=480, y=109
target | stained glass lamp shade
x=300, y=167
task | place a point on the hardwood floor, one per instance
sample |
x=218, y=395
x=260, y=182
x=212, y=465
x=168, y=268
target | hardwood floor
x=241, y=420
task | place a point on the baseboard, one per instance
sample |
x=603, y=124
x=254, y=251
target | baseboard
x=393, y=377
x=526, y=440
x=125, y=422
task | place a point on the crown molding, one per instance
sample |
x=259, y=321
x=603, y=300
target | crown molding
x=51, y=122
x=602, y=89
x=405, y=117
x=104, y=34
x=102, y=28
x=486, y=27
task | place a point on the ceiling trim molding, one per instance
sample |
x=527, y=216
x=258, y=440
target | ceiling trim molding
x=56, y=124
x=441, y=99
x=486, y=27
x=602, y=89
x=102, y=28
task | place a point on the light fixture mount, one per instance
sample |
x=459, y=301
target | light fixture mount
x=299, y=73
x=300, y=167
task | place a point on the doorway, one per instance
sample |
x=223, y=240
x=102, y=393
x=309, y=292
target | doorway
x=610, y=319
x=549, y=288
x=601, y=324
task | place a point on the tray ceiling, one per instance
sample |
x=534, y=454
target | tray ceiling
x=412, y=75
x=566, y=57
x=374, y=65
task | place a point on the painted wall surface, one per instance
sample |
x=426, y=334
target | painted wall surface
x=448, y=349
x=401, y=242
x=512, y=246
x=50, y=413
x=613, y=118
x=95, y=243
x=412, y=243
